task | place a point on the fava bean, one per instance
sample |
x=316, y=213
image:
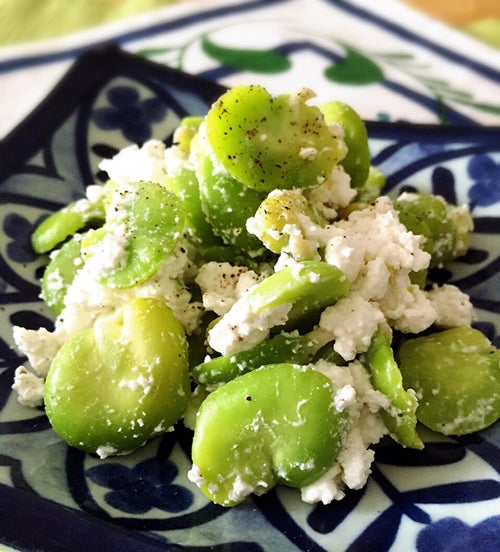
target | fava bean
x=269, y=142
x=279, y=210
x=307, y=286
x=116, y=385
x=185, y=132
x=62, y=224
x=284, y=428
x=446, y=227
x=185, y=185
x=373, y=186
x=294, y=295
x=283, y=347
x=357, y=160
x=456, y=374
x=227, y=205
x=60, y=272
x=386, y=377
x=142, y=233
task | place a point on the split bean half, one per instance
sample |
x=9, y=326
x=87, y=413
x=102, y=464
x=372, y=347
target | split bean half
x=277, y=424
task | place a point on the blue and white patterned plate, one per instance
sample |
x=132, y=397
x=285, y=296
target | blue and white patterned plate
x=54, y=498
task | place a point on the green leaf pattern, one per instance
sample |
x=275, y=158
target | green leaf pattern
x=439, y=88
x=356, y=69
x=258, y=61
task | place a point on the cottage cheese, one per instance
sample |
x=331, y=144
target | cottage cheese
x=333, y=194
x=29, y=387
x=453, y=307
x=133, y=163
x=353, y=466
x=352, y=322
x=40, y=346
x=222, y=284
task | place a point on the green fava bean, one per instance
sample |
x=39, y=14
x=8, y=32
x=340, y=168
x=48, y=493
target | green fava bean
x=60, y=272
x=185, y=185
x=116, y=385
x=299, y=349
x=278, y=210
x=185, y=132
x=357, y=160
x=284, y=428
x=58, y=226
x=307, y=286
x=288, y=298
x=446, y=228
x=373, y=186
x=227, y=205
x=386, y=377
x=144, y=229
x=270, y=142
x=456, y=374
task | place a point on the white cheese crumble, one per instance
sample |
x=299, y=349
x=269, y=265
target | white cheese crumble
x=110, y=253
x=309, y=154
x=141, y=382
x=29, y=387
x=222, y=284
x=195, y=476
x=104, y=451
x=453, y=307
x=377, y=253
x=333, y=194
x=344, y=397
x=133, y=163
x=40, y=346
x=353, y=466
x=241, y=328
x=377, y=230
x=352, y=322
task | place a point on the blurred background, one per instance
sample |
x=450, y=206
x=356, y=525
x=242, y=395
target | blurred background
x=28, y=20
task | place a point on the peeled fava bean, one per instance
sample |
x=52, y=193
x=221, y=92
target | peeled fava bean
x=227, y=205
x=60, y=272
x=269, y=142
x=185, y=185
x=290, y=297
x=116, y=385
x=456, y=375
x=307, y=286
x=277, y=424
x=357, y=160
x=400, y=419
x=446, y=228
x=141, y=233
x=299, y=349
x=280, y=210
x=185, y=132
x=62, y=224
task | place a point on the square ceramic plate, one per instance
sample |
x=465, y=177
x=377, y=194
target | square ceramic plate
x=55, y=498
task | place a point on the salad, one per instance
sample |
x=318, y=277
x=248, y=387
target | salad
x=252, y=282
